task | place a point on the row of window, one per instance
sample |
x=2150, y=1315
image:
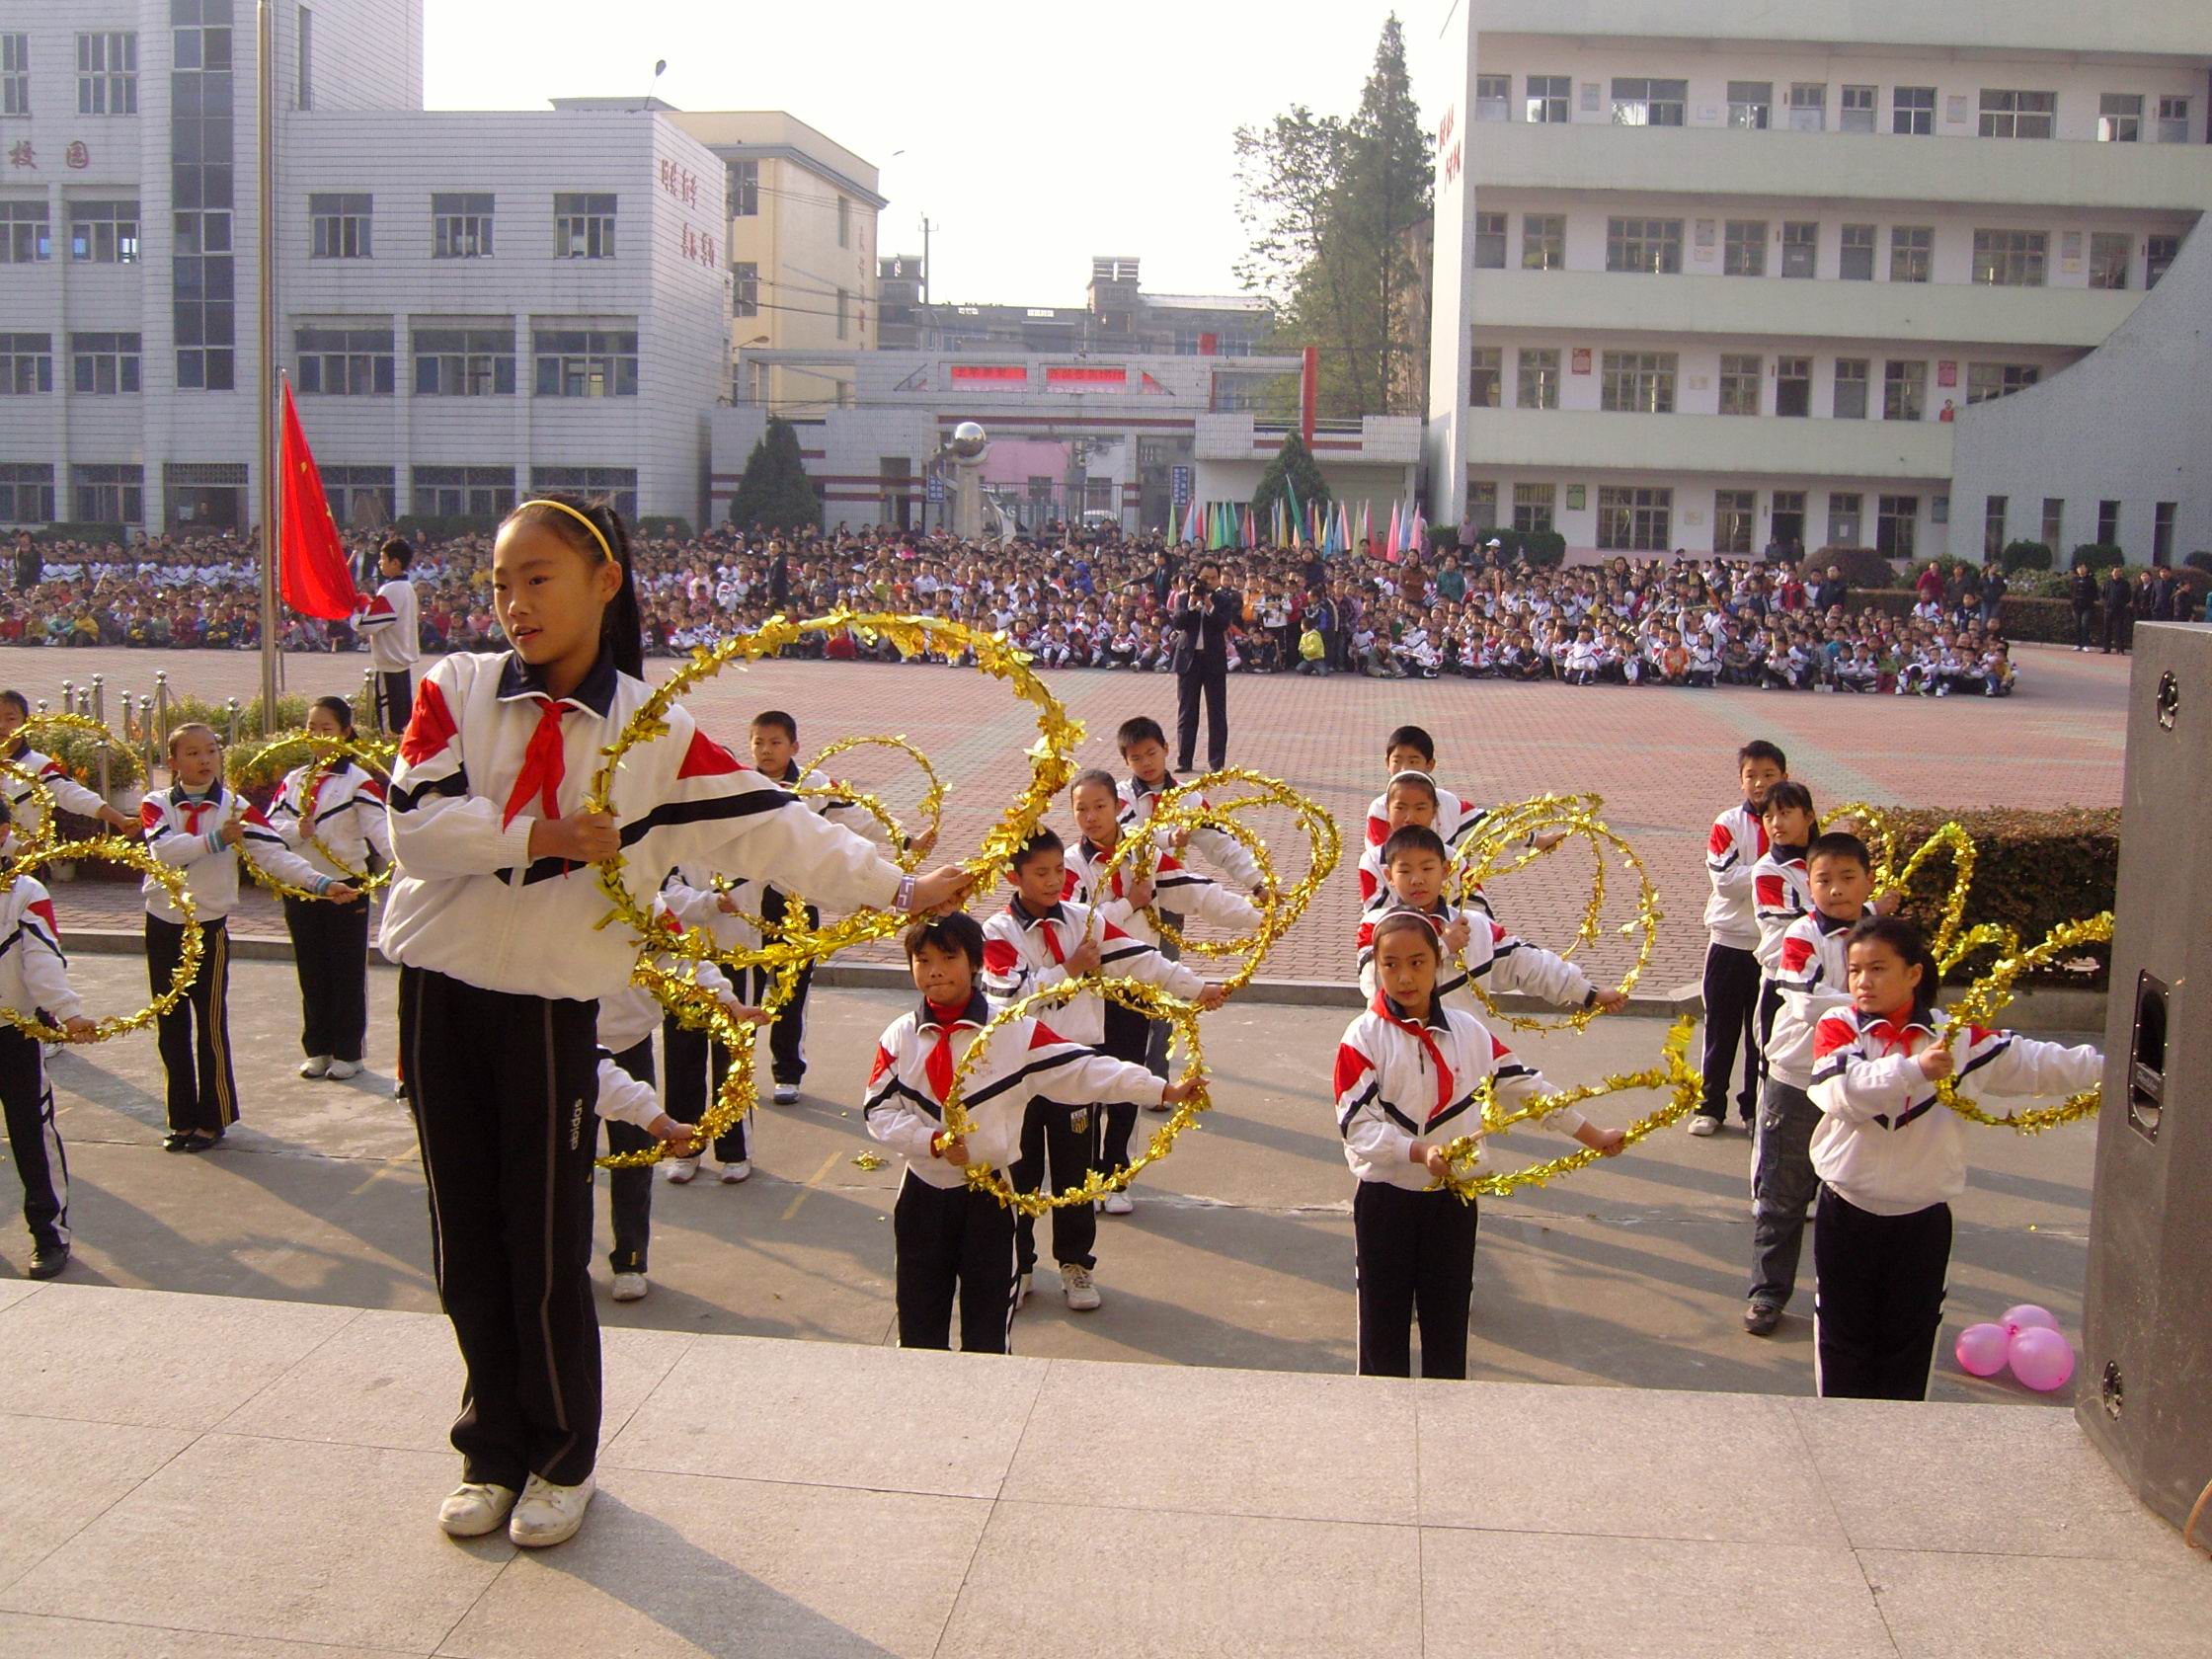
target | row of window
x=1643, y=382
x=341, y=225
x=99, y=233
x=1652, y=246
x=1639, y=517
x=107, y=73
x=1804, y=106
x=104, y=493
x=1997, y=512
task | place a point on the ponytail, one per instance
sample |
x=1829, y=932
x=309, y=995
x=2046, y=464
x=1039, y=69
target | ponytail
x=595, y=530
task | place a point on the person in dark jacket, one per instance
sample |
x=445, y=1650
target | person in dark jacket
x=2119, y=607
x=1202, y=618
x=2084, y=605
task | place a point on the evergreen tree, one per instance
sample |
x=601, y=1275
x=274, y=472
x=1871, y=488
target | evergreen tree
x=775, y=494
x=1293, y=463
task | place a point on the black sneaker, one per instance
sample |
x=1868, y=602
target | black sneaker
x=1761, y=1318
x=47, y=1261
x=179, y=1140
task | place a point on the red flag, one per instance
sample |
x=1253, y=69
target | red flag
x=316, y=579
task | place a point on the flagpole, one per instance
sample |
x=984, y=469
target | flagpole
x=264, y=65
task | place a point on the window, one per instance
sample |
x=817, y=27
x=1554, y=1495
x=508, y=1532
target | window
x=26, y=493
x=844, y=317
x=2054, y=523
x=585, y=363
x=1489, y=241
x=1493, y=97
x=2112, y=252
x=1533, y=507
x=462, y=492
x=1844, y=518
x=1744, y=249
x=15, y=75
x=2119, y=117
x=1735, y=516
x=1750, y=105
x=1482, y=503
x=1912, y=110
x=1543, y=242
x=2108, y=524
x=307, y=58
x=26, y=365
x=359, y=497
x=1639, y=102
x=845, y=221
x=1808, y=106
x=2018, y=114
x=1652, y=246
x=1742, y=380
x=1854, y=260
x=1993, y=527
x=1540, y=378
x=1794, y=385
x=1911, y=253
x=745, y=189
x=583, y=226
x=1896, y=518
x=1851, y=388
x=105, y=493
x=1485, y=370
x=26, y=232
x=1858, y=112
x=203, y=269
x=1905, y=391
x=1985, y=381
x=104, y=232
x=339, y=227
x=461, y=225
x=2174, y=120
x=2161, y=532
x=2009, y=258
x=104, y=364
x=1801, y=247
x=745, y=289
x=464, y=361
x=619, y=484
x=1548, y=96
x=346, y=361
x=1634, y=518
x=1639, y=382
x=2158, y=251
x=108, y=74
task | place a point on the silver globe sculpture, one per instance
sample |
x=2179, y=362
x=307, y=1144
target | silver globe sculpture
x=969, y=441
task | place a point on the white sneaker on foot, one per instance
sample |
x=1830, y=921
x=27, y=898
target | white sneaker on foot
x=340, y=1070
x=630, y=1287
x=315, y=1066
x=732, y=1174
x=474, y=1508
x=1081, y=1289
x=547, y=1514
x=1703, y=1125
x=1119, y=1204
x=786, y=1094
x=1021, y=1291
x=681, y=1170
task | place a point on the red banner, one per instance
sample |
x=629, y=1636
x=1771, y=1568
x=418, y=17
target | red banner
x=1086, y=377
x=311, y=560
x=971, y=374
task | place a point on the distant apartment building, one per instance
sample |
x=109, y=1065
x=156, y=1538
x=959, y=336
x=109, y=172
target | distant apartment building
x=1119, y=316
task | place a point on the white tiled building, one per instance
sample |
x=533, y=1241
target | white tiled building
x=1715, y=274
x=471, y=306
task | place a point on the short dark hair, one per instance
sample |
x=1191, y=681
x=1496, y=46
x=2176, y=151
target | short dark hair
x=340, y=710
x=399, y=550
x=18, y=701
x=1095, y=775
x=781, y=721
x=1413, y=737
x=1407, y=921
x=1759, y=748
x=1790, y=793
x=1138, y=729
x=959, y=931
x=1840, y=844
x=1042, y=842
x=1907, y=941
x=1414, y=837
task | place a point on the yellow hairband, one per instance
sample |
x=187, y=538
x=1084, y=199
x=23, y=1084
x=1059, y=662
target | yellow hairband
x=598, y=535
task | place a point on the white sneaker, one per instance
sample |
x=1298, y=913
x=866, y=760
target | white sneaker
x=1081, y=1289
x=1119, y=1204
x=1021, y=1291
x=786, y=1094
x=315, y=1066
x=732, y=1174
x=547, y=1514
x=681, y=1170
x=1702, y=1125
x=630, y=1287
x=340, y=1070
x=475, y=1508
x=51, y=1051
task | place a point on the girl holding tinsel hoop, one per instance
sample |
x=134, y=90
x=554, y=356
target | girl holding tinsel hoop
x=493, y=919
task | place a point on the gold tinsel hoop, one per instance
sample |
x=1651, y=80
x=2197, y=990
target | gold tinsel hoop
x=904, y=847
x=35, y=848
x=371, y=756
x=698, y=1008
x=114, y=849
x=1984, y=1000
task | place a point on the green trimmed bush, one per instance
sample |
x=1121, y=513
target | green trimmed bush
x=2032, y=870
x=1861, y=567
x=2023, y=556
x=2098, y=555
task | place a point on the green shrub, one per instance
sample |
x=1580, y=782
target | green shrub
x=2024, y=556
x=2098, y=555
x=2032, y=870
x=1861, y=567
x=2198, y=561
x=653, y=527
x=65, y=531
x=291, y=714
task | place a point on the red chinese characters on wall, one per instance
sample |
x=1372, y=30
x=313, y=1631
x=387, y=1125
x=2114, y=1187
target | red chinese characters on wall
x=698, y=245
x=76, y=156
x=23, y=155
x=680, y=182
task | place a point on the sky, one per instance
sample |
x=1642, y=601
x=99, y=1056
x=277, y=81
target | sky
x=1035, y=133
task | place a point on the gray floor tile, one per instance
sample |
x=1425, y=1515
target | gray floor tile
x=56, y=1475
x=30, y=1635
x=13, y=1291
x=1999, y=1607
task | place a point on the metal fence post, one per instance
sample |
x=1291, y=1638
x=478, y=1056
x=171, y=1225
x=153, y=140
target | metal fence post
x=99, y=713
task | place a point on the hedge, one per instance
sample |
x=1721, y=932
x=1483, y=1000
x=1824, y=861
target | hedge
x=2024, y=556
x=1861, y=567
x=2032, y=871
x=2098, y=555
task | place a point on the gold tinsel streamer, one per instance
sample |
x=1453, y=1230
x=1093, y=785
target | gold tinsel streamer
x=1505, y=842
x=1673, y=1072
x=370, y=757
x=40, y=791
x=1892, y=877
x=932, y=800
x=1988, y=996
x=700, y=1009
x=1143, y=998
x=115, y=849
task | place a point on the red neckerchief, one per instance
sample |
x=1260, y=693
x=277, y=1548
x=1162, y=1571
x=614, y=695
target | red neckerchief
x=1381, y=1006
x=938, y=1063
x=192, y=809
x=1097, y=853
x=1044, y=925
x=1893, y=1031
x=543, y=765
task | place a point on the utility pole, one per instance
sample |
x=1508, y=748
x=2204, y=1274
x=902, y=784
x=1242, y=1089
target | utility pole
x=264, y=49
x=925, y=228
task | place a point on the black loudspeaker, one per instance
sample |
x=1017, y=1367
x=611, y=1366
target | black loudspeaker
x=2146, y=1383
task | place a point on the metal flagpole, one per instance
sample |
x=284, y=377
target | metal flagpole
x=266, y=106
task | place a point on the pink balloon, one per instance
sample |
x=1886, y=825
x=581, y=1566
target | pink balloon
x=1984, y=1349
x=2042, y=1359
x=2026, y=1316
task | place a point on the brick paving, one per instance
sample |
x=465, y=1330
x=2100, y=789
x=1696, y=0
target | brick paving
x=1662, y=758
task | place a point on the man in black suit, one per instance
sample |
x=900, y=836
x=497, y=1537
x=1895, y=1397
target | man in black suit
x=1202, y=616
